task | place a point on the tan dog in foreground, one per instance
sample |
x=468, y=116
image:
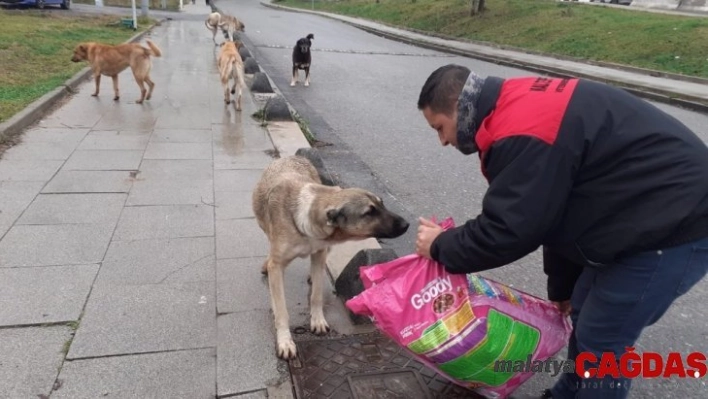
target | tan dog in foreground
x=231, y=66
x=109, y=60
x=226, y=23
x=302, y=217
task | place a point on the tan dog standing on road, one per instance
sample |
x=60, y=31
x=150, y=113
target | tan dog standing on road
x=231, y=66
x=302, y=217
x=109, y=60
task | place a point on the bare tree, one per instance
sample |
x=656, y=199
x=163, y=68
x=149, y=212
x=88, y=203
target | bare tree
x=477, y=7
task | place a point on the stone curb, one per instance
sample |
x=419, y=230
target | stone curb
x=669, y=97
x=34, y=111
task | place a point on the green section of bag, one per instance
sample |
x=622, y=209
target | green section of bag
x=505, y=339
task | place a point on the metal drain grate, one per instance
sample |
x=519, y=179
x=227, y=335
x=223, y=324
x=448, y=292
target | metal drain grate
x=367, y=366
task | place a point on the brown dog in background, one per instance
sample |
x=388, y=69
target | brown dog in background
x=109, y=60
x=304, y=218
x=231, y=66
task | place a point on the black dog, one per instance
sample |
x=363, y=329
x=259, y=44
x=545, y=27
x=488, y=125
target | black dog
x=302, y=59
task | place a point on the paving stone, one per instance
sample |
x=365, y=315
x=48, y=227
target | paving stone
x=181, y=374
x=146, y=318
x=115, y=140
x=160, y=150
x=35, y=295
x=233, y=205
x=245, y=352
x=187, y=117
x=75, y=113
x=237, y=159
x=169, y=221
x=130, y=116
x=184, y=170
x=242, y=278
x=15, y=197
x=89, y=181
x=171, y=192
x=28, y=169
x=240, y=238
x=74, y=208
x=53, y=135
x=236, y=180
x=181, y=136
x=235, y=139
x=61, y=244
x=157, y=261
x=104, y=160
x=40, y=151
x=31, y=358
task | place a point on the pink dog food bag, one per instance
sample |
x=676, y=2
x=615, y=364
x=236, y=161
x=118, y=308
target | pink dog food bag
x=461, y=325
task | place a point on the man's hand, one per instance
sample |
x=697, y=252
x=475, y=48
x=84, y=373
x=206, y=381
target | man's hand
x=564, y=307
x=427, y=233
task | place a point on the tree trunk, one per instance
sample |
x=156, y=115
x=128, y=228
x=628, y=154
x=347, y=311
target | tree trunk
x=477, y=7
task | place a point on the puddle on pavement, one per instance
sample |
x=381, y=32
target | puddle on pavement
x=232, y=131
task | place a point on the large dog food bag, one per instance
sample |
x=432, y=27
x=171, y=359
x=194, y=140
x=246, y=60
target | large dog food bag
x=461, y=325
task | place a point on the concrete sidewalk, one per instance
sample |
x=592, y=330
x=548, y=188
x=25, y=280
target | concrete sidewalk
x=129, y=255
x=673, y=89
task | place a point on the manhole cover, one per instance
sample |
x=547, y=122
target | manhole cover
x=405, y=384
x=367, y=366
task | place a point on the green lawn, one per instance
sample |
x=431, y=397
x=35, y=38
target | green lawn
x=172, y=5
x=656, y=41
x=36, y=49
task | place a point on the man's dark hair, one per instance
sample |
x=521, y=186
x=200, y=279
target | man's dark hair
x=442, y=88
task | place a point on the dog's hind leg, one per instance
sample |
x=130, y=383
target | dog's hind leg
x=115, y=88
x=295, y=76
x=285, y=344
x=318, y=324
x=151, y=86
x=97, y=77
x=143, y=90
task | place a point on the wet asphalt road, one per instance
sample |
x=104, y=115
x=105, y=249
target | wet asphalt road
x=362, y=100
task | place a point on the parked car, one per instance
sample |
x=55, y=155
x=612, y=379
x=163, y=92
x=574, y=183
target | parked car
x=65, y=4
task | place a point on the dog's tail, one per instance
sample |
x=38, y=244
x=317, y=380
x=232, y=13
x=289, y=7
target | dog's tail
x=154, y=50
x=311, y=36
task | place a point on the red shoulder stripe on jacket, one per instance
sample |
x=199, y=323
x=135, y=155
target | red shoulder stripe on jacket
x=527, y=106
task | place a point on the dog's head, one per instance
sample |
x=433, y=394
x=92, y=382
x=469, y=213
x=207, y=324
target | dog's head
x=303, y=45
x=359, y=214
x=80, y=52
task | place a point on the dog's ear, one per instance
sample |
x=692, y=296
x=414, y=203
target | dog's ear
x=311, y=36
x=333, y=216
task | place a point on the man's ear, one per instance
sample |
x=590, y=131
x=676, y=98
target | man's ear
x=333, y=215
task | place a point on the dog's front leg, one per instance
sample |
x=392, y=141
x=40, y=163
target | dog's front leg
x=307, y=76
x=97, y=78
x=295, y=76
x=286, y=346
x=318, y=261
x=115, y=88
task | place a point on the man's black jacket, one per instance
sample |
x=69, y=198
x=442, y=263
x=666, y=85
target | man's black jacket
x=586, y=170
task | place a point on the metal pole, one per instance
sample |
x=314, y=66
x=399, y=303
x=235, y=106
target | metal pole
x=144, y=8
x=135, y=15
